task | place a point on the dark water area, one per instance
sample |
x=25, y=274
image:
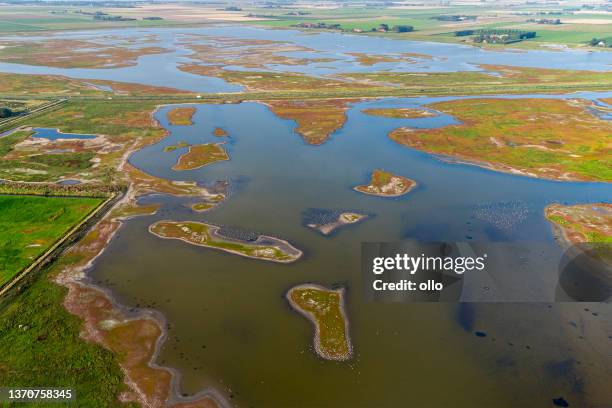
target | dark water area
x=68, y=182
x=230, y=326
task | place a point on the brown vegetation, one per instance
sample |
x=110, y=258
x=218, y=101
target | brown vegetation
x=399, y=113
x=219, y=132
x=66, y=53
x=200, y=156
x=316, y=119
x=181, y=116
x=550, y=138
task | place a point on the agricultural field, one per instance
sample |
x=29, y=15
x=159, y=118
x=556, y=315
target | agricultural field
x=433, y=23
x=31, y=224
x=14, y=20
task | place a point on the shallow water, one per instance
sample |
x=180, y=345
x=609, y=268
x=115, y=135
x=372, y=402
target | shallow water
x=54, y=134
x=447, y=57
x=230, y=326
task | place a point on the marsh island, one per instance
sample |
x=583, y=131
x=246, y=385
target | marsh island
x=386, y=184
x=196, y=233
x=328, y=221
x=200, y=156
x=325, y=309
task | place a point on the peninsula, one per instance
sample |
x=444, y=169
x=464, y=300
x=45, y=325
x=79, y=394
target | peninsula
x=181, y=116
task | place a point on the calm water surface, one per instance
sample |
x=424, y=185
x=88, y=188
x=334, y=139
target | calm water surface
x=230, y=326
x=54, y=134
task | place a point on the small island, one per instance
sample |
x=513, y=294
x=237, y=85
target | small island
x=181, y=116
x=220, y=132
x=200, y=156
x=385, y=184
x=202, y=206
x=325, y=309
x=328, y=221
x=399, y=113
x=581, y=223
x=211, y=201
x=176, y=146
x=206, y=235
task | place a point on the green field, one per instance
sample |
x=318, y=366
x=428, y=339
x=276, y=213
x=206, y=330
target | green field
x=29, y=225
x=15, y=19
x=40, y=345
x=573, y=32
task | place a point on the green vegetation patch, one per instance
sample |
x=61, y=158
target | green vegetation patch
x=537, y=137
x=40, y=345
x=29, y=225
x=200, y=234
x=325, y=309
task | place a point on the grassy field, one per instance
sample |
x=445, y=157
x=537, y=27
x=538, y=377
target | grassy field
x=40, y=346
x=14, y=19
x=29, y=225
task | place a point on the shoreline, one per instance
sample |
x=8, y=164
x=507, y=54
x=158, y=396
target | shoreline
x=412, y=187
x=75, y=277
